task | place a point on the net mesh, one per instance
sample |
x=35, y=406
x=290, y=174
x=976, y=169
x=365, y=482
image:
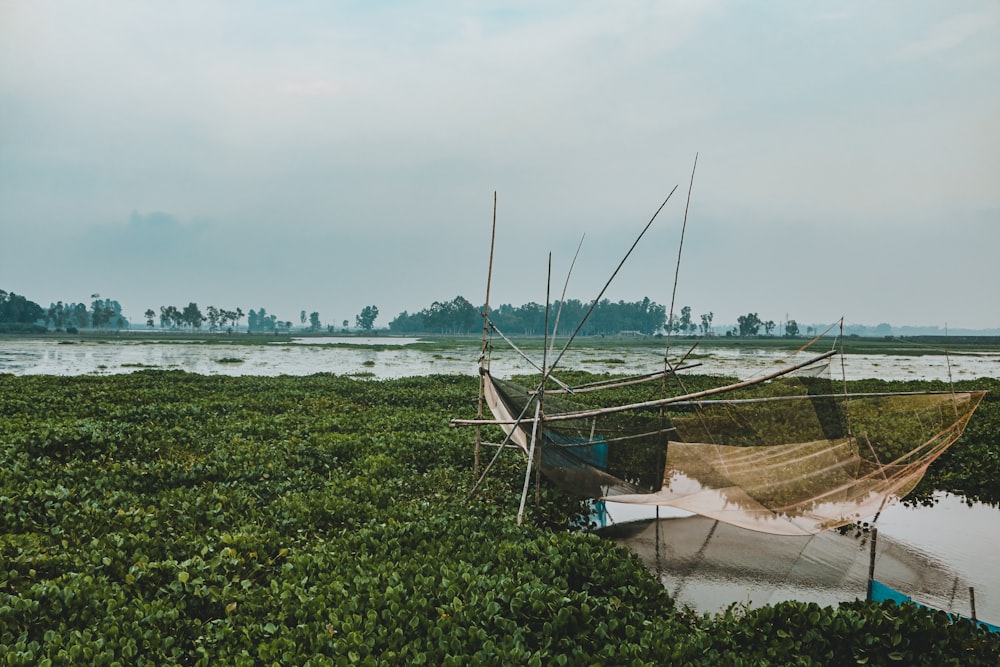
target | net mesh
x=790, y=456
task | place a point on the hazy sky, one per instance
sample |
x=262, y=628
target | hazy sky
x=329, y=155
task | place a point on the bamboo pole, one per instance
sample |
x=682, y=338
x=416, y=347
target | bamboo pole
x=562, y=299
x=687, y=398
x=482, y=352
x=619, y=382
x=516, y=425
x=972, y=601
x=532, y=448
x=677, y=269
x=525, y=356
x=527, y=471
x=604, y=289
x=541, y=391
x=871, y=563
x=688, y=401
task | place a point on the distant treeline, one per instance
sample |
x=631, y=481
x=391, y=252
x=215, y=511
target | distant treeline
x=455, y=317
x=172, y=317
x=18, y=313
x=459, y=316
x=102, y=314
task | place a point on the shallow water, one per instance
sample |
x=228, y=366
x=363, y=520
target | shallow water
x=934, y=554
x=395, y=357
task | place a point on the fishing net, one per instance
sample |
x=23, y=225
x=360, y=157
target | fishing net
x=790, y=456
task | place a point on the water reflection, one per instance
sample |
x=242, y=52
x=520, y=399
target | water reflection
x=933, y=554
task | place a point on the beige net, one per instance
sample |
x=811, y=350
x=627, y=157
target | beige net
x=788, y=457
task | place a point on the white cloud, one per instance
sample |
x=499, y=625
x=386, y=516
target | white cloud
x=952, y=33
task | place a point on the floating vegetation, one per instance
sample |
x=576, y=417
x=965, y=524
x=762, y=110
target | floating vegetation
x=322, y=520
x=368, y=363
x=229, y=360
x=139, y=365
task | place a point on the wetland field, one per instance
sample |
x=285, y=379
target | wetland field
x=166, y=507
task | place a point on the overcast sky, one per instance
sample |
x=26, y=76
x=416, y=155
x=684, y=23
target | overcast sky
x=330, y=155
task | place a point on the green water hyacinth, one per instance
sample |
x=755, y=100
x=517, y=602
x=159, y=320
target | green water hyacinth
x=169, y=518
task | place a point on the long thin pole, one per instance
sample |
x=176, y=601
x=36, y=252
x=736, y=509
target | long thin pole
x=677, y=268
x=562, y=299
x=871, y=563
x=541, y=390
x=604, y=289
x=538, y=411
x=687, y=398
x=482, y=352
x=527, y=471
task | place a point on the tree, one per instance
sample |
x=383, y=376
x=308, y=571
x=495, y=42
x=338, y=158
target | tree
x=706, y=322
x=80, y=315
x=749, y=324
x=150, y=317
x=97, y=314
x=261, y=322
x=314, y=323
x=464, y=314
x=684, y=324
x=107, y=312
x=769, y=327
x=653, y=317
x=192, y=316
x=56, y=315
x=791, y=329
x=16, y=309
x=407, y=323
x=302, y=318
x=213, y=317
x=366, y=318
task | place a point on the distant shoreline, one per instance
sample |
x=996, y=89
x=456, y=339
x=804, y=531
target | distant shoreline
x=891, y=345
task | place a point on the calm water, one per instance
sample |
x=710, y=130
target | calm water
x=330, y=355
x=933, y=554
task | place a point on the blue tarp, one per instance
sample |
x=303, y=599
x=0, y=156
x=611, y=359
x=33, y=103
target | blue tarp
x=879, y=592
